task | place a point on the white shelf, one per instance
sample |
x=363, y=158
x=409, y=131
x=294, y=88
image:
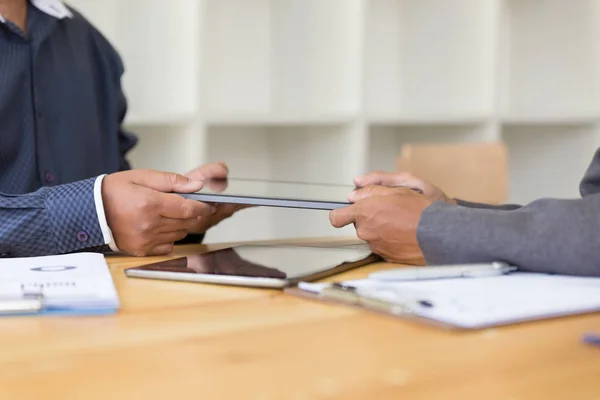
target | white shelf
x=551, y=64
x=324, y=90
x=431, y=57
x=428, y=119
x=166, y=120
x=279, y=119
x=565, y=119
x=162, y=63
x=281, y=56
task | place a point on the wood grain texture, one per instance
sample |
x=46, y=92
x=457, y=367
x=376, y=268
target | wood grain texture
x=211, y=342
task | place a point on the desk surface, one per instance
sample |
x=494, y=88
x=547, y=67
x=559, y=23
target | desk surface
x=179, y=339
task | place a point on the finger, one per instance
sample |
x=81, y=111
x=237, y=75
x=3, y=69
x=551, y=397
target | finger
x=376, y=178
x=202, y=224
x=410, y=182
x=176, y=207
x=161, y=249
x=389, y=179
x=168, y=225
x=216, y=185
x=371, y=191
x=374, y=191
x=217, y=170
x=342, y=216
x=165, y=181
x=223, y=211
x=239, y=207
x=227, y=210
x=171, y=237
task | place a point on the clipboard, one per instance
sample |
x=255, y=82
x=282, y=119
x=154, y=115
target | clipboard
x=466, y=304
x=343, y=295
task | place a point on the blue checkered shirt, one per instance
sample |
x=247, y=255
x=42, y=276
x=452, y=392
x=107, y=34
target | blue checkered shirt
x=61, y=109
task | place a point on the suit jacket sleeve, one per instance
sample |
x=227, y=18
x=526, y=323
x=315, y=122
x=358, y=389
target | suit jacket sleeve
x=547, y=235
x=52, y=220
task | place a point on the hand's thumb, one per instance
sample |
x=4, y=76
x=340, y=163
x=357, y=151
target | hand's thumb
x=365, y=193
x=166, y=181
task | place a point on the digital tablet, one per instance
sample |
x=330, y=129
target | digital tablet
x=272, y=266
x=273, y=194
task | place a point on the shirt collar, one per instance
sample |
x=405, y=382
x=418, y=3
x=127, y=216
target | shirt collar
x=54, y=8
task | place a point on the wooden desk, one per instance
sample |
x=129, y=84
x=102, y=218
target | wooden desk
x=192, y=341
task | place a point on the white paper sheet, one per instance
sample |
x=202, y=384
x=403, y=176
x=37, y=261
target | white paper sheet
x=473, y=303
x=77, y=280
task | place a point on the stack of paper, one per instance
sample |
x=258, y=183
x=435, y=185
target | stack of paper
x=78, y=283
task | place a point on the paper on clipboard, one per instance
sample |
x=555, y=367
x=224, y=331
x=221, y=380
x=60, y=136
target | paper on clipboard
x=477, y=303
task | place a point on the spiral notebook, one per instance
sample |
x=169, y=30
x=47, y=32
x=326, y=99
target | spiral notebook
x=76, y=284
x=469, y=303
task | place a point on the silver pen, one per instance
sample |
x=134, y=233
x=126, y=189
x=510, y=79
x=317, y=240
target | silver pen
x=443, y=272
x=373, y=299
x=27, y=304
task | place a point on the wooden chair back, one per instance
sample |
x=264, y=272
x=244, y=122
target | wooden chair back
x=475, y=172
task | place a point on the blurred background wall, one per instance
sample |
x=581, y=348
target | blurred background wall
x=322, y=90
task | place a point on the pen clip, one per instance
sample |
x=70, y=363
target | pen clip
x=341, y=286
x=496, y=270
x=350, y=294
x=341, y=292
x=29, y=303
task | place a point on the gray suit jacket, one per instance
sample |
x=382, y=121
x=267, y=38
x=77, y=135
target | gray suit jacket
x=547, y=235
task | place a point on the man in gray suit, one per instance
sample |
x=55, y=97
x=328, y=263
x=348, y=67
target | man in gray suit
x=407, y=220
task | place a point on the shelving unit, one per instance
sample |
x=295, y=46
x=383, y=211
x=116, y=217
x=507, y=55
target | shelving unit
x=281, y=57
x=428, y=57
x=323, y=90
x=386, y=140
x=551, y=66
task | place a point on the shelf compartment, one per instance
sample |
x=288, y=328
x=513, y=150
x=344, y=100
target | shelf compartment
x=548, y=160
x=430, y=56
x=281, y=57
x=550, y=62
x=385, y=142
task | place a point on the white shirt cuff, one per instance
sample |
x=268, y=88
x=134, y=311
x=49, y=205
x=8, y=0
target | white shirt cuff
x=106, y=232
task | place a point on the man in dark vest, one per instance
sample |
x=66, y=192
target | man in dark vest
x=65, y=182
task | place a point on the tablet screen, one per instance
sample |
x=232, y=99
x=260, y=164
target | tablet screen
x=274, y=193
x=278, y=262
